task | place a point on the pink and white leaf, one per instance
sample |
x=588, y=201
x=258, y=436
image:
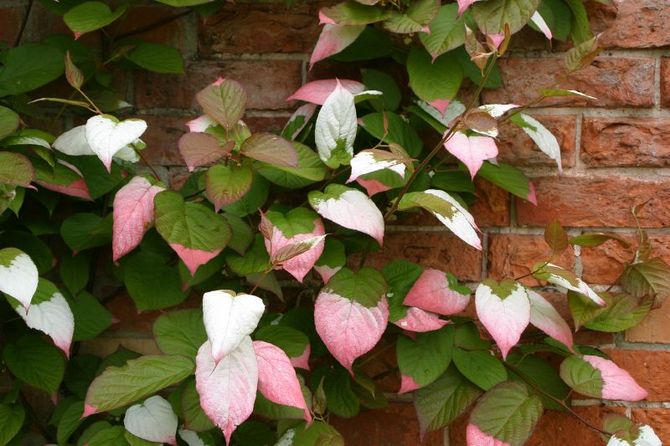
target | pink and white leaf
x=18, y=275
x=431, y=292
x=229, y=319
x=227, y=388
x=333, y=39
x=77, y=188
x=305, y=111
x=107, y=136
x=543, y=138
x=579, y=286
x=471, y=150
x=348, y=328
x=475, y=437
x=368, y=161
x=152, y=420
x=538, y=20
x=316, y=92
x=277, y=380
x=373, y=187
x=505, y=319
x=617, y=383
x=193, y=257
x=52, y=317
x=133, y=215
x=420, y=321
x=200, y=124
x=326, y=272
x=544, y=316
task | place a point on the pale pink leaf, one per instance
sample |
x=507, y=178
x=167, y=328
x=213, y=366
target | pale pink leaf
x=200, y=124
x=420, y=321
x=302, y=361
x=463, y=5
x=545, y=317
x=475, y=437
x=348, y=328
x=471, y=150
x=305, y=111
x=505, y=317
x=440, y=105
x=227, y=389
x=52, y=317
x=617, y=383
x=277, y=380
x=538, y=20
x=326, y=272
x=133, y=215
x=407, y=384
x=192, y=257
x=431, y=292
x=316, y=92
x=333, y=39
x=496, y=39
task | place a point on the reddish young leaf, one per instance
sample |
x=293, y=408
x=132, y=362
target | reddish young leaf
x=201, y=149
x=316, y=92
x=333, y=39
x=271, y=149
x=555, y=236
x=224, y=101
x=433, y=292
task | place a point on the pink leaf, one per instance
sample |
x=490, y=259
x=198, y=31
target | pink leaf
x=545, y=317
x=348, y=328
x=324, y=19
x=617, y=383
x=326, y=272
x=302, y=361
x=505, y=317
x=78, y=188
x=471, y=150
x=475, y=437
x=538, y=20
x=532, y=195
x=407, y=384
x=440, y=104
x=305, y=111
x=277, y=380
x=496, y=39
x=201, y=149
x=373, y=187
x=431, y=292
x=420, y=321
x=228, y=389
x=193, y=258
x=333, y=39
x=463, y=5
x=316, y=92
x=200, y=124
x=133, y=215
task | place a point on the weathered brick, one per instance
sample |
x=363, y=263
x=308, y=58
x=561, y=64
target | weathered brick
x=161, y=137
x=512, y=255
x=626, y=141
x=268, y=83
x=658, y=419
x=665, y=81
x=440, y=250
x=273, y=124
x=597, y=201
x=625, y=81
x=260, y=28
x=654, y=329
x=631, y=23
x=648, y=367
x=395, y=425
x=517, y=148
x=10, y=23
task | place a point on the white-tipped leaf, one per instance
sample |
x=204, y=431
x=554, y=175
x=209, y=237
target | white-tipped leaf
x=543, y=138
x=544, y=316
x=565, y=279
x=107, y=136
x=18, y=275
x=336, y=126
x=152, y=420
x=374, y=160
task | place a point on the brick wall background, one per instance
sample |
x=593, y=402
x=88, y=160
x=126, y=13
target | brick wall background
x=616, y=154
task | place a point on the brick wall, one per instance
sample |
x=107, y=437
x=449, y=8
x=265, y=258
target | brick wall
x=616, y=154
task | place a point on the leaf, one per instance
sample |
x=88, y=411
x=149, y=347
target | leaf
x=224, y=100
x=91, y=318
x=391, y=128
x=415, y=18
x=545, y=317
x=600, y=378
x=425, y=358
x=151, y=283
x=229, y=319
x=494, y=16
x=375, y=160
x=18, y=275
x=225, y=184
x=351, y=13
x=86, y=231
x=504, y=309
x=542, y=137
x=106, y=136
x=227, y=389
x=316, y=92
x=157, y=58
x=506, y=414
x=112, y=435
x=133, y=215
x=35, y=362
x=277, y=380
x=332, y=260
x=310, y=169
x=191, y=410
x=366, y=286
x=380, y=81
x=555, y=236
x=28, y=67
x=74, y=272
x=447, y=31
x=271, y=149
x=434, y=81
x=73, y=74
x=138, y=378
x=338, y=393
x=293, y=342
x=89, y=16
x=349, y=208
x=11, y=420
x=180, y=332
x=581, y=29
x=471, y=150
x=480, y=367
x=538, y=372
x=201, y=149
x=335, y=129
x=152, y=420
x=438, y=292
x=193, y=231
x=622, y=312
x=510, y=179
x=9, y=121
x=447, y=210
x=591, y=239
x=565, y=279
x=15, y=169
x=582, y=54
x=647, y=279
x=441, y=402
x=558, y=92
x=333, y=39
x=417, y=320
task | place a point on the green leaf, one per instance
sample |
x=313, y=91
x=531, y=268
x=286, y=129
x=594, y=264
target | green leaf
x=180, y=332
x=316, y=434
x=227, y=184
x=472, y=71
x=591, y=239
x=310, y=169
x=419, y=14
x=468, y=338
x=391, y=128
x=648, y=279
x=427, y=357
x=91, y=318
x=373, y=43
x=224, y=102
x=193, y=415
x=9, y=122
x=29, y=137
x=11, y=420
x=492, y=16
x=90, y=16
x=353, y=13
x=273, y=411
x=622, y=312
x=510, y=178
x=480, y=367
x=340, y=398
x=151, y=283
x=157, y=58
x=70, y=421
x=400, y=276
x=378, y=80
x=292, y=341
x=334, y=254
x=253, y=200
x=74, y=272
x=109, y=436
x=431, y=80
x=555, y=236
x=184, y=3
x=582, y=54
x=366, y=286
x=558, y=17
x=28, y=67
x=581, y=29
x=139, y=378
x=582, y=309
x=35, y=362
x=508, y=413
x=582, y=376
x=15, y=169
x=242, y=234
x=36, y=249
x=447, y=31
x=255, y=260
x=98, y=180
x=85, y=231
x=542, y=375
x=441, y=402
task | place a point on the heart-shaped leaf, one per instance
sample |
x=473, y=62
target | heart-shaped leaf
x=15, y=169
x=224, y=101
x=438, y=292
x=153, y=420
x=271, y=149
x=227, y=184
x=18, y=275
x=106, y=135
x=600, y=378
x=471, y=150
x=201, y=149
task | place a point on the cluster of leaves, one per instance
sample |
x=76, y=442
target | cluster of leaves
x=272, y=234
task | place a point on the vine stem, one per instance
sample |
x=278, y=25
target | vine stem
x=24, y=23
x=154, y=25
x=148, y=164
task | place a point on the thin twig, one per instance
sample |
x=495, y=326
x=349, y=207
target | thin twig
x=148, y=164
x=154, y=25
x=24, y=23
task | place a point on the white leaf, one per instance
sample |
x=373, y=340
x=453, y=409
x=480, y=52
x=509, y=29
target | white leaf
x=497, y=110
x=106, y=136
x=51, y=316
x=538, y=20
x=647, y=437
x=461, y=222
x=336, y=126
x=544, y=139
x=73, y=142
x=18, y=275
x=229, y=319
x=366, y=161
x=191, y=438
x=579, y=286
x=153, y=420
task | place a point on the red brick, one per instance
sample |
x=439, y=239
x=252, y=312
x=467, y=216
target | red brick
x=597, y=201
x=273, y=124
x=654, y=329
x=513, y=256
x=440, y=250
x=268, y=83
x=161, y=137
x=649, y=368
x=665, y=81
x=395, y=425
x=631, y=23
x=260, y=28
x=658, y=419
x=492, y=205
x=626, y=141
x=517, y=148
x=614, y=81
x=10, y=22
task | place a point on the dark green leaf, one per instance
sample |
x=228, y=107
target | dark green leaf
x=157, y=58
x=480, y=367
x=35, y=362
x=151, y=283
x=85, y=231
x=180, y=332
x=427, y=357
